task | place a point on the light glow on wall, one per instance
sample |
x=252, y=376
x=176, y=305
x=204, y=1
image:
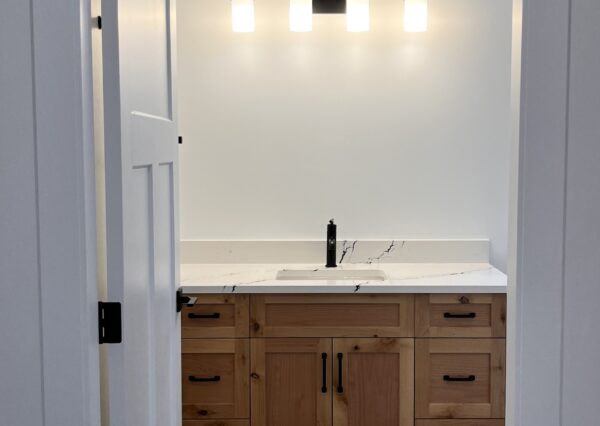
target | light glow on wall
x=242, y=16
x=301, y=12
x=415, y=16
x=357, y=15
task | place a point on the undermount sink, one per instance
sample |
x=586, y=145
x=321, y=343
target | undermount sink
x=332, y=274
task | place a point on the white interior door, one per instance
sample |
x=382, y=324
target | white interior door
x=142, y=215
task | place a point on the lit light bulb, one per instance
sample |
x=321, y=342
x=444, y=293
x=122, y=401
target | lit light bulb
x=301, y=12
x=415, y=16
x=357, y=15
x=242, y=16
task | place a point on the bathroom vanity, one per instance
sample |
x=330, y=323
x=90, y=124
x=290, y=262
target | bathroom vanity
x=425, y=347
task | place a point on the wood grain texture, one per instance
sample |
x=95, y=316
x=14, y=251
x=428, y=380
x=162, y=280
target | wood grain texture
x=332, y=315
x=219, y=422
x=378, y=382
x=482, y=398
x=227, y=358
x=286, y=380
x=489, y=310
x=460, y=422
x=233, y=321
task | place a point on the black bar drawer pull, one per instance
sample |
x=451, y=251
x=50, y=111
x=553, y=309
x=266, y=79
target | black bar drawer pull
x=324, y=358
x=469, y=378
x=340, y=386
x=200, y=316
x=457, y=315
x=204, y=379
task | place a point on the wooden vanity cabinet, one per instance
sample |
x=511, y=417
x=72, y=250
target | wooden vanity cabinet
x=219, y=422
x=460, y=315
x=326, y=315
x=215, y=375
x=344, y=360
x=460, y=422
x=216, y=315
x=373, y=382
x=291, y=382
x=460, y=378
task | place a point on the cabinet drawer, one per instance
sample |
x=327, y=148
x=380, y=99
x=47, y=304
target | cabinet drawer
x=214, y=376
x=332, y=315
x=219, y=422
x=460, y=315
x=460, y=378
x=460, y=422
x=216, y=315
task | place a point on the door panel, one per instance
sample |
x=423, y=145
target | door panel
x=287, y=382
x=142, y=217
x=377, y=382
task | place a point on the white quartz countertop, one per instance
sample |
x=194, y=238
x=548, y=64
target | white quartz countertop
x=401, y=278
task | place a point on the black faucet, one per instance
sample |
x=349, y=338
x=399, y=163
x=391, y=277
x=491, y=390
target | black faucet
x=331, y=243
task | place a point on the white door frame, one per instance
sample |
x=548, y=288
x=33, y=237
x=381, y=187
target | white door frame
x=56, y=301
x=48, y=321
x=536, y=278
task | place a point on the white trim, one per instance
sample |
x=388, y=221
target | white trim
x=536, y=280
x=64, y=313
x=512, y=341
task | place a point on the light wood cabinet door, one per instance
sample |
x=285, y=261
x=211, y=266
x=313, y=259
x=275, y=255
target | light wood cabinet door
x=326, y=315
x=460, y=422
x=373, y=382
x=460, y=378
x=215, y=374
x=216, y=316
x=216, y=422
x=291, y=382
x=460, y=315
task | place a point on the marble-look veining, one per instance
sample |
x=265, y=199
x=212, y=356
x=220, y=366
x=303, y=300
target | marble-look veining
x=348, y=251
x=401, y=277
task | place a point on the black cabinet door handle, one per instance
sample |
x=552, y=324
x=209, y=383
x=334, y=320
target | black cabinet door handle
x=204, y=379
x=200, y=316
x=324, y=358
x=469, y=378
x=340, y=386
x=460, y=315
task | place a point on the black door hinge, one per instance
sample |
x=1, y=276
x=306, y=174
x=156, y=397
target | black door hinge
x=98, y=20
x=181, y=300
x=180, y=140
x=109, y=322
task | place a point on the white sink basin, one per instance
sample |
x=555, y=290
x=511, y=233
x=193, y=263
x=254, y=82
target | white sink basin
x=332, y=274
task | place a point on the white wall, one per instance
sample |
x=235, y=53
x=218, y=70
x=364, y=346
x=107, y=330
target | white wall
x=559, y=207
x=48, y=317
x=395, y=135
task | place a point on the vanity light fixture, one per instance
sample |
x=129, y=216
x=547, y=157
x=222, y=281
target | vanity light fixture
x=301, y=15
x=357, y=15
x=329, y=6
x=242, y=16
x=415, y=16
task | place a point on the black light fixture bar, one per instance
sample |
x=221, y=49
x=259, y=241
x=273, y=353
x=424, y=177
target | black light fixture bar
x=329, y=6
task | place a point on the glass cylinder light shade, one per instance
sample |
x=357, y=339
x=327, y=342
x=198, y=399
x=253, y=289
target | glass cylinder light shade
x=415, y=16
x=242, y=16
x=357, y=15
x=301, y=12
